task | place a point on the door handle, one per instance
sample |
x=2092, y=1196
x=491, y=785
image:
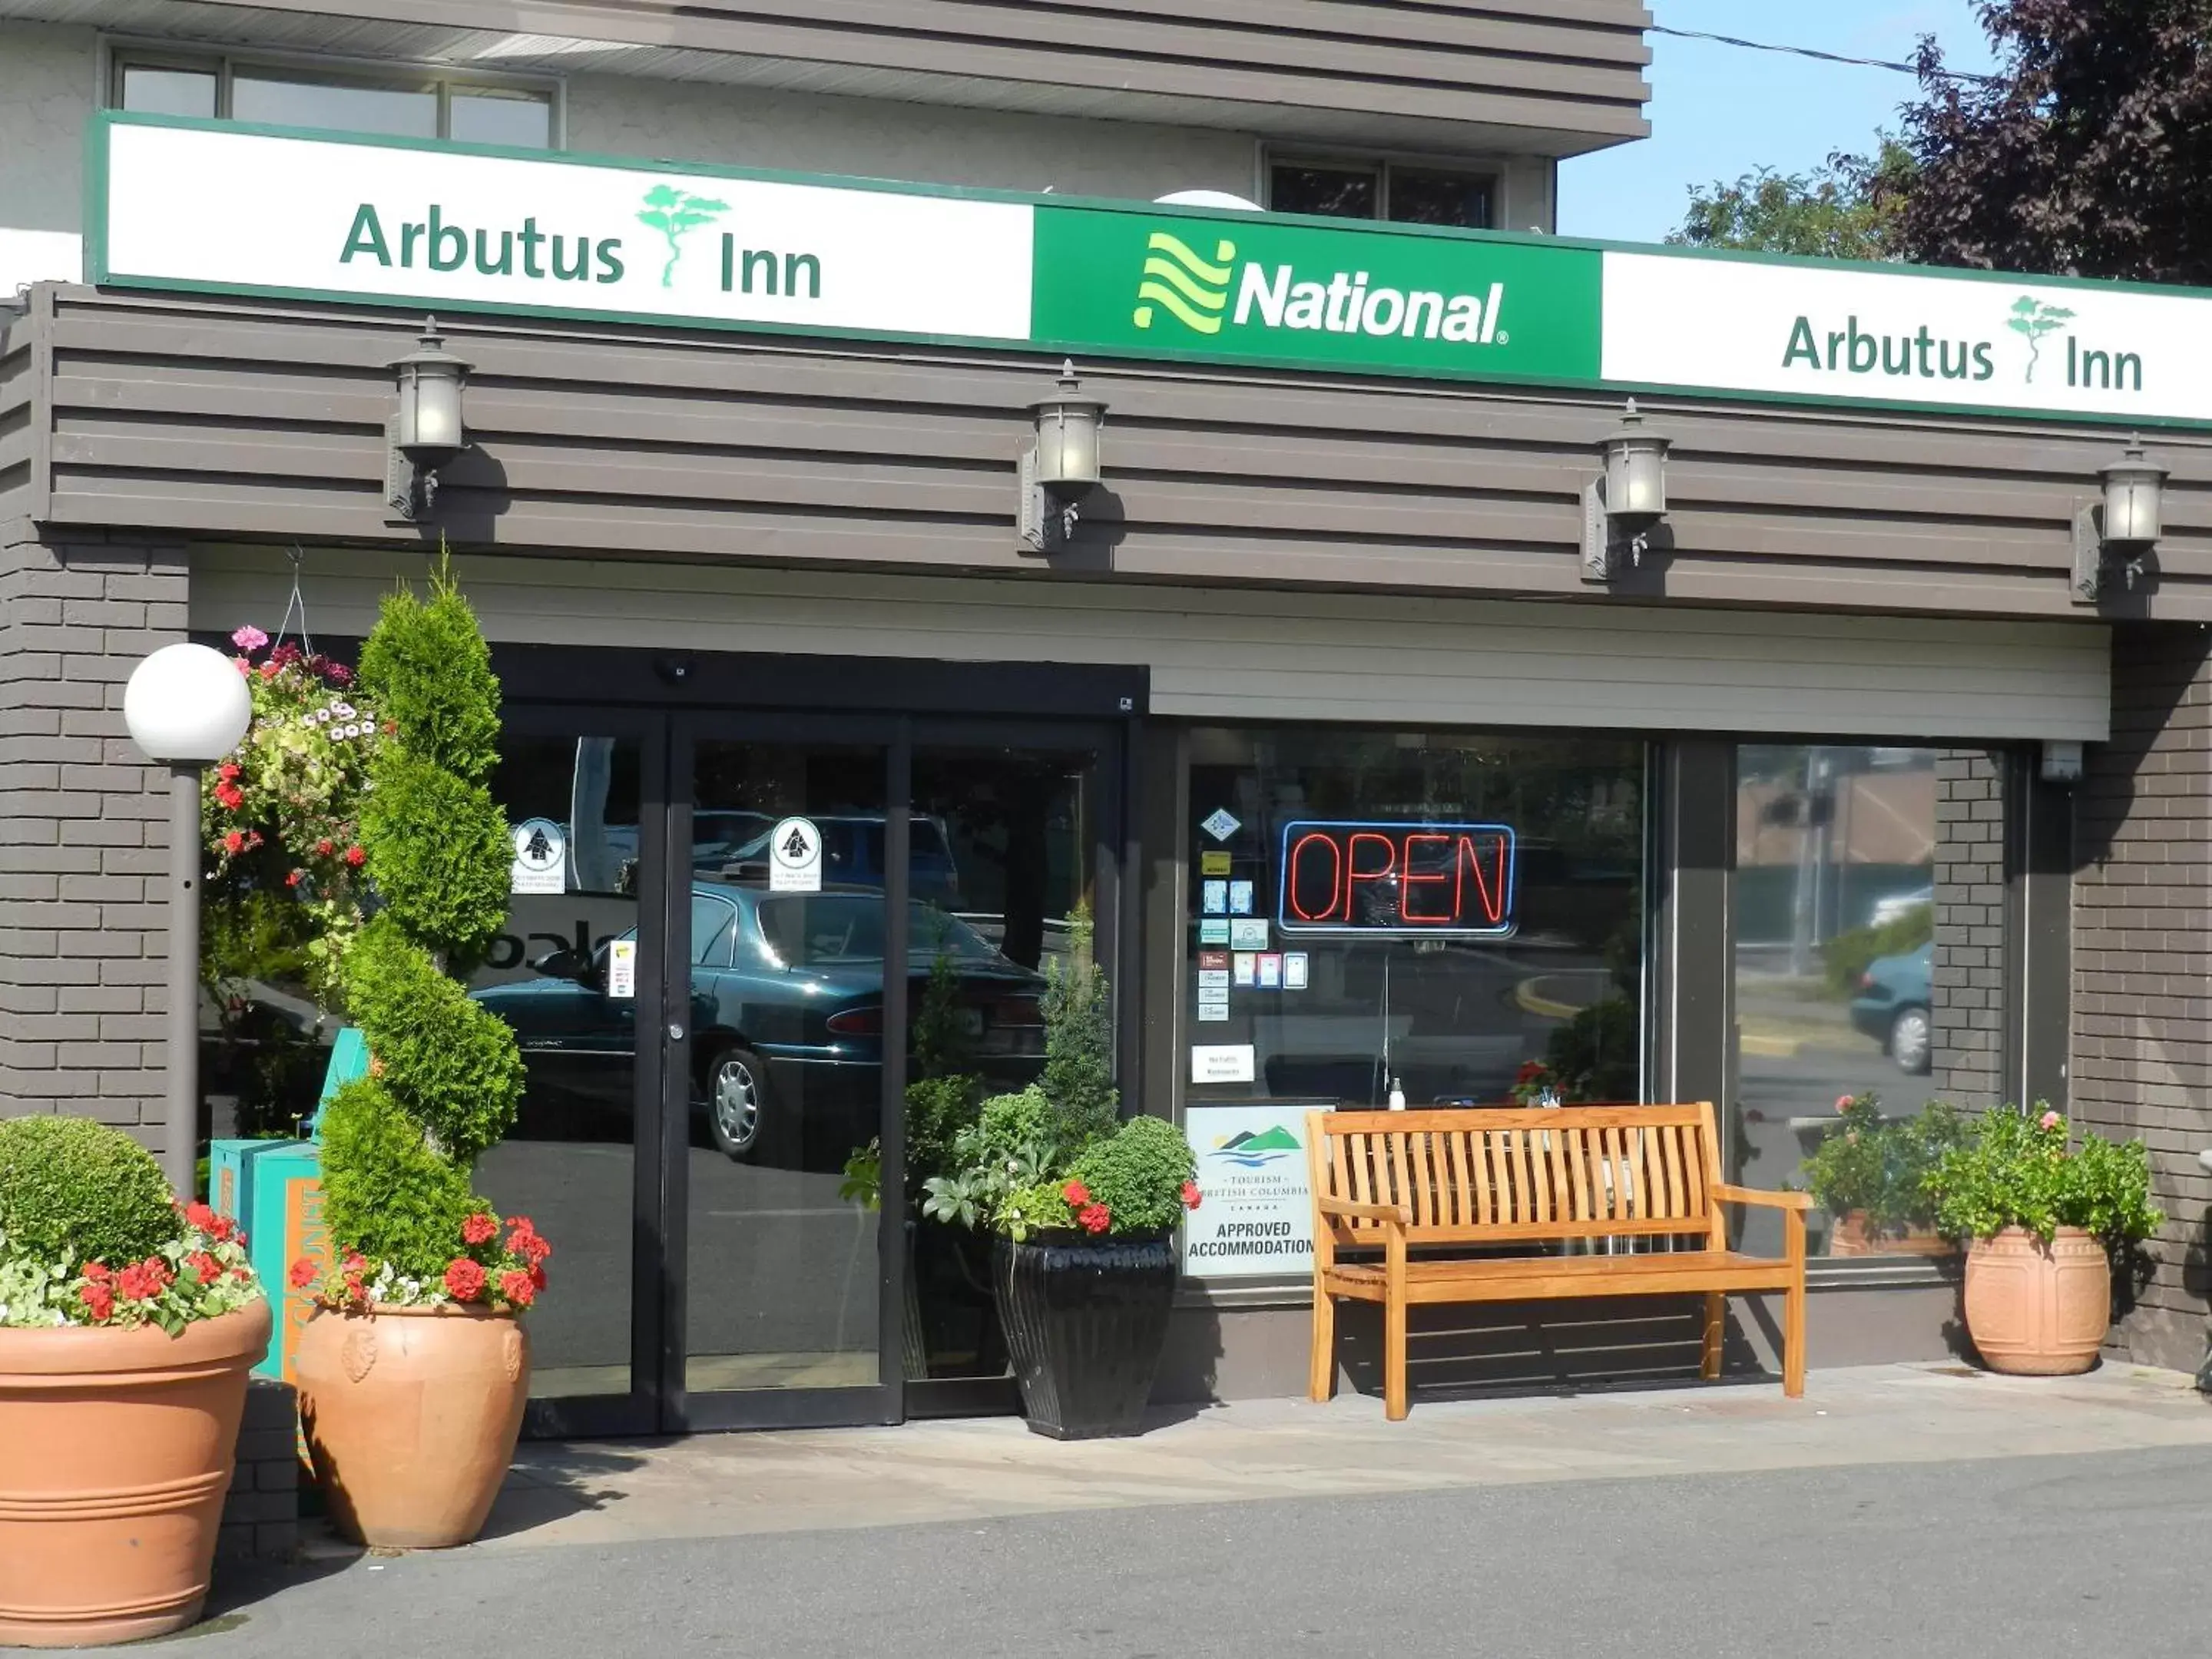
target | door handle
x=675, y=1033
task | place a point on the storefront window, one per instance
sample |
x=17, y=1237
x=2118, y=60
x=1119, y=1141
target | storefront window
x=1440, y=916
x=1869, y=934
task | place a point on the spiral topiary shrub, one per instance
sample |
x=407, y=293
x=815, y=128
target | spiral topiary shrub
x=444, y=1077
x=69, y=1186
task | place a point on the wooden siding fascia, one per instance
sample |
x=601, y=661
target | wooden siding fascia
x=225, y=419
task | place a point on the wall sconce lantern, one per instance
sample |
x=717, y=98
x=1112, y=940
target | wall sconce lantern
x=1621, y=509
x=427, y=431
x=1059, y=467
x=2125, y=523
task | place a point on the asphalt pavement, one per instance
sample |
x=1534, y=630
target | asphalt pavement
x=2088, y=1553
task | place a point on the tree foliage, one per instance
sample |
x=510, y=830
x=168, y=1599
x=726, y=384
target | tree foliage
x=1846, y=209
x=2089, y=155
x=445, y=1075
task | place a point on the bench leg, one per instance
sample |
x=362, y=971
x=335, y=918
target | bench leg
x=1393, y=1360
x=1793, y=1340
x=1320, y=1376
x=1709, y=1360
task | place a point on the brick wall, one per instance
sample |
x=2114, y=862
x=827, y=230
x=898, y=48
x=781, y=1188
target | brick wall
x=261, y=1513
x=82, y=831
x=1967, y=993
x=2142, y=952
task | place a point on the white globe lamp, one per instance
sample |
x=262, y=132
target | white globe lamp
x=187, y=706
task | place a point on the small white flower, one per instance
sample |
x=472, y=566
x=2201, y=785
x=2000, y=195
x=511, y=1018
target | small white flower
x=350, y=731
x=345, y=710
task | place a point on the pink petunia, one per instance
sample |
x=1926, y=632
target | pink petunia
x=249, y=638
x=2048, y=1120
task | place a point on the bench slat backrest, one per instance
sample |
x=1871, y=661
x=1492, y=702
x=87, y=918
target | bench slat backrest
x=1540, y=1173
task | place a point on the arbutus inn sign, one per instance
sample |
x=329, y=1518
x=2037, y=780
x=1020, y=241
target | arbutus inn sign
x=180, y=203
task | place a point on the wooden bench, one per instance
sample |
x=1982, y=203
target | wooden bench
x=1416, y=1186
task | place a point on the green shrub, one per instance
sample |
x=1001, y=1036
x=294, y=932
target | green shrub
x=440, y=850
x=1847, y=955
x=1882, y=1168
x=386, y=1192
x=1078, y=1040
x=1138, y=1175
x=445, y=1075
x=69, y=1186
x=2013, y=1169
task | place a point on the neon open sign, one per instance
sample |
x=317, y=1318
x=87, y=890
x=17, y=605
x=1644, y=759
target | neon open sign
x=1450, y=880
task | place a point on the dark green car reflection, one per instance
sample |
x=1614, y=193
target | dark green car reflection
x=785, y=1024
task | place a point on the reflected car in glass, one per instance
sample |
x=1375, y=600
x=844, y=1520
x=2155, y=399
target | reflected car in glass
x=786, y=1019
x=1894, y=995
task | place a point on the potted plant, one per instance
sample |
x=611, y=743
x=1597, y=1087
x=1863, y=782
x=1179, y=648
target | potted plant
x=1082, y=1207
x=2047, y=1222
x=127, y=1327
x=1869, y=1174
x=415, y=1369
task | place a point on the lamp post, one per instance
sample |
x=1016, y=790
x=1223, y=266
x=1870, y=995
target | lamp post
x=187, y=706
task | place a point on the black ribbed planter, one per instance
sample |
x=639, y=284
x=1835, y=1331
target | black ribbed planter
x=1086, y=1320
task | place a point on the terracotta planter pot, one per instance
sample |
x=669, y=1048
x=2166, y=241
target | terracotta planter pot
x=2039, y=1310
x=411, y=1416
x=1851, y=1238
x=115, y=1451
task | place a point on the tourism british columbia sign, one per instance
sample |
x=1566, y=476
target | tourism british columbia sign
x=225, y=207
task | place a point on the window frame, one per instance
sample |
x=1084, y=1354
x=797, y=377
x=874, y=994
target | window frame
x=391, y=74
x=1382, y=166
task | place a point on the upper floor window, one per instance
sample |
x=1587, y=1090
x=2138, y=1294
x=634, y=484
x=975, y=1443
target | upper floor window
x=1409, y=194
x=402, y=103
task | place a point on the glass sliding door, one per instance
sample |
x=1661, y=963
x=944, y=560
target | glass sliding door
x=783, y=867
x=573, y=974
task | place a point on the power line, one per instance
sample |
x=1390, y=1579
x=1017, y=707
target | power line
x=1813, y=52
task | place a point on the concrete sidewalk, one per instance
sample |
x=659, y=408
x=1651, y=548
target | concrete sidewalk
x=725, y=1485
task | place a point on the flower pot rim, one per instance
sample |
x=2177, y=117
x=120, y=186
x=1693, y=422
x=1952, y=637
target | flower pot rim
x=1062, y=1238
x=114, y=1350
x=437, y=1311
x=2028, y=1233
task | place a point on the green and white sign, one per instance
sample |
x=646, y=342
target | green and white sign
x=225, y=207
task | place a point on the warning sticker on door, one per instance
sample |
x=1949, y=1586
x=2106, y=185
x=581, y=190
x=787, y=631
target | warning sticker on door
x=795, y=864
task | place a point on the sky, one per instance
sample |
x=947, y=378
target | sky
x=1717, y=111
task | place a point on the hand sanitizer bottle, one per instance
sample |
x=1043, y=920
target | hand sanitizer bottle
x=1397, y=1094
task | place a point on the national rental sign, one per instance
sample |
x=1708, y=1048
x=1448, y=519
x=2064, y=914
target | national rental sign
x=227, y=208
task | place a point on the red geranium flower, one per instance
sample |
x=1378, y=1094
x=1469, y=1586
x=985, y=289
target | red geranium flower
x=1190, y=1194
x=354, y=1262
x=1095, y=1218
x=325, y=846
x=227, y=771
x=465, y=1279
x=353, y=1292
x=233, y=841
x=224, y=1228
x=517, y=1287
x=478, y=1228
x=142, y=1282
x=293, y=880
x=98, y=1301
x=1076, y=1193
x=205, y=1267
x=537, y=1278
x=304, y=1272
x=355, y=856
x=200, y=1216
x=96, y=1271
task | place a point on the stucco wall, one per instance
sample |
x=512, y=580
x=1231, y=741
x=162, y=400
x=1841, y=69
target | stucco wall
x=48, y=80
x=744, y=126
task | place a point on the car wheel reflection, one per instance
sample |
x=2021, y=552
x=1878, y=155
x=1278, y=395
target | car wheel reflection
x=737, y=1100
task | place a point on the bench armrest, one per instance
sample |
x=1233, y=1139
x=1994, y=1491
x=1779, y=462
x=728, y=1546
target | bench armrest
x=1350, y=1211
x=1728, y=1194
